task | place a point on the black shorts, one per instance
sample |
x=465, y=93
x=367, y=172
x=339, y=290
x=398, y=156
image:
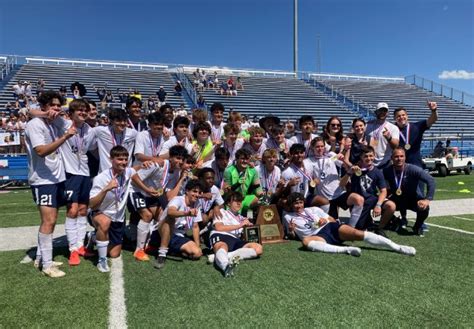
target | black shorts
x=50, y=195
x=77, y=188
x=137, y=201
x=232, y=242
x=176, y=242
x=116, y=233
x=330, y=233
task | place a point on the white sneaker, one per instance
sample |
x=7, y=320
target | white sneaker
x=354, y=251
x=407, y=250
x=53, y=272
x=103, y=266
x=210, y=258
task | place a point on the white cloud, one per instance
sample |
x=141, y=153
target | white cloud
x=456, y=74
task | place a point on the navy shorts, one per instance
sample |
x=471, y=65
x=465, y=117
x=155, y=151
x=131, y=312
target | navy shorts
x=137, y=201
x=176, y=243
x=116, y=233
x=330, y=233
x=77, y=188
x=50, y=195
x=232, y=243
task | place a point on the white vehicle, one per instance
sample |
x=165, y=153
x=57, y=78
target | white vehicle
x=445, y=159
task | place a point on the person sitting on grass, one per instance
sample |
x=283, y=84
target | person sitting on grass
x=108, y=198
x=320, y=232
x=179, y=223
x=226, y=240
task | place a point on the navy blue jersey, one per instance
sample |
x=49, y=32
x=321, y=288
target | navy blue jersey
x=412, y=176
x=369, y=183
x=415, y=138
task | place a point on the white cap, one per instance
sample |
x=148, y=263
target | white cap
x=382, y=106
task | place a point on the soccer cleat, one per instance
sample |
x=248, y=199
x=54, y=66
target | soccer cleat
x=85, y=252
x=74, y=258
x=140, y=255
x=159, y=262
x=210, y=258
x=53, y=272
x=229, y=270
x=407, y=250
x=103, y=266
x=354, y=251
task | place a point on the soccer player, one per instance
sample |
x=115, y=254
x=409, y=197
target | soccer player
x=46, y=176
x=149, y=142
x=299, y=173
x=217, y=123
x=320, y=232
x=201, y=147
x=308, y=128
x=382, y=135
x=232, y=142
x=220, y=162
x=278, y=141
x=181, y=131
x=108, y=199
x=134, y=108
x=226, y=240
x=270, y=176
x=244, y=179
x=256, y=144
x=178, y=222
x=403, y=180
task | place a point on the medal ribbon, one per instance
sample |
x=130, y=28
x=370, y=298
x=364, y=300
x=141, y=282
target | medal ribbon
x=79, y=140
x=307, y=217
x=114, y=137
x=269, y=179
x=165, y=176
x=239, y=218
x=52, y=134
x=119, y=189
x=216, y=132
x=305, y=175
x=398, y=182
x=321, y=167
x=407, y=138
x=155, y=148
x=378, y=131
x=189, y=219
x=306, y=144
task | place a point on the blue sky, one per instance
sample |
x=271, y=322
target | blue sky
x=376, y=37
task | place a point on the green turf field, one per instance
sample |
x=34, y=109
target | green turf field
x=454, y=186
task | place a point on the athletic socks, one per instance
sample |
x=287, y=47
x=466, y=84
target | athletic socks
x=143, y=229
x=243, y=253
x=81, y=230
x=162, y=251
x=102, y=248
x=380, y=241
x=71, y=232
x=222, y=259
x=329, y=248
x=355, y=215
x=45, y=245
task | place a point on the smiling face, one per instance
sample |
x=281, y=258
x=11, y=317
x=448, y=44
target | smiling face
x=218, y=116
x=401, y=118
x=181, y=131
x=92, y=114
x=398, y=158
x=193, y=195
x=156, y=129
x=359, y=128
x=176, y=162
x=367, y=159
x=134, y=111
x=242, y=163
x=202, y=135
x=307, y=127
x=119, y=126
x=235, y=205
x=119, y=164
x=381, y=114
x=319, y=148
x=256, y=140
x=298, y=206
x=334, y=127
x=80, y=115
x=54, y=105
x=298, y=157
x=208, y=179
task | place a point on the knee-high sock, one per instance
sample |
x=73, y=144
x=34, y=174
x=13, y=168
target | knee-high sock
x=355, y=215
x=70, y=227
x=45, y=244
x=243, y=253
x=380, y=241
x=329, y=248
x=143, y=229
x=102, y=248
x=222, y=259
x=81, y=230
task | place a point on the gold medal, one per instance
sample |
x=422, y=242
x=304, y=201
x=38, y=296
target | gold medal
x=312, y=183
x=269, y=194
x=222, y=192
x=282, y=146
x=159, y=191
x=190, y=175
x=189, y=232
x=358, y=172
x=398, y=191
x=407, y=147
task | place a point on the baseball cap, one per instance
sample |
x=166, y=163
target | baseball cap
x=382, y=106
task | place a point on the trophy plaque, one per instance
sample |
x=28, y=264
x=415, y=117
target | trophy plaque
x=271, y=230
x=252, y=234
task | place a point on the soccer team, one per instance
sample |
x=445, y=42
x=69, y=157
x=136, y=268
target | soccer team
x=189, y=183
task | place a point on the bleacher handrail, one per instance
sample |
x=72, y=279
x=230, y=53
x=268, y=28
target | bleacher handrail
x=241, y=72
x=440, y=89
x=187, y=84
x=331, y=76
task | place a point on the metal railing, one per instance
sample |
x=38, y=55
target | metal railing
x=187, y=84
x=440, y=89
x=8, y=63
x=331, y=76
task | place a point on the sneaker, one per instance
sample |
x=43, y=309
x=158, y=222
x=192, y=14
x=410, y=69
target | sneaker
x=425, y=227
x=159, y=262
x=380, y=232
x=407, y=250
x=103, y=266
x=354, y=251
x=210, y=258
x=74, y=258
x=85, y=252
x=140, y=255
x=53, y=272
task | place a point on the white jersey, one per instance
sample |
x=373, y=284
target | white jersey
x=184, y=223
x=306, y=222
x=104, y=138
x=239, y=143
x=258, y=152
x=229, y=218
x=115, y=201
x=217, y=132
x=216, y=199
x=325, y=169
x=74, y=150
x=375, y=138
x=172, y=142
x=298, y=139
x=147, y=145
x=268, y=180
x=47, y=170
x=270, y=143
x=305, y=176
x=153, y=178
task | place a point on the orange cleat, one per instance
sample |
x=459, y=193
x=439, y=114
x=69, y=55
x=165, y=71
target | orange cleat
x=74, y=258
x=140, y=255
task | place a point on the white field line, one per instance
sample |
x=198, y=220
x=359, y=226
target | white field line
x=117, y=308
x=464, y=218
x=447, y=228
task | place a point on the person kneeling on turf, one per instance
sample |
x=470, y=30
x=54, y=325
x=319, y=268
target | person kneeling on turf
x=179, y=221
x=225, y=238
x=320, y=232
